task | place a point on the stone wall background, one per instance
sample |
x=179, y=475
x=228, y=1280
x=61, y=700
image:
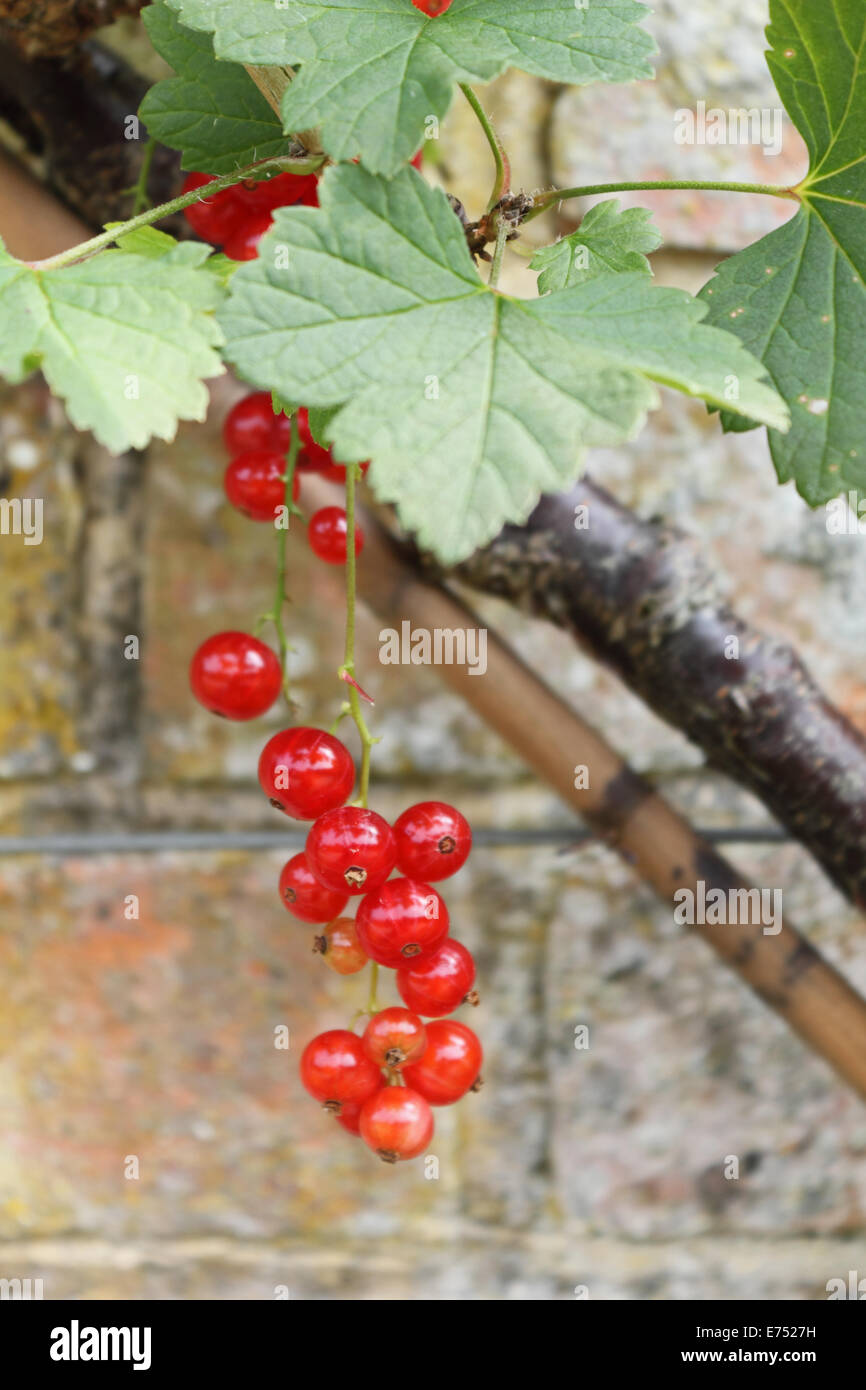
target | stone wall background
x=154, y=1037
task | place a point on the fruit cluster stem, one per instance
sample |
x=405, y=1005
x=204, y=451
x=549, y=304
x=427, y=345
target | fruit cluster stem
x=348, y=667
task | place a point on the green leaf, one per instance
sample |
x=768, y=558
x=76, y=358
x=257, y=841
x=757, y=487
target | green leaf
x=469, y=403
x=373, y=71
x=796, y=298
x=125, y=339
x=606, y=240
x=212, y=111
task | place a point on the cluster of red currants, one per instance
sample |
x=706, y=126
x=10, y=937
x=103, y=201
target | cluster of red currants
x=380, y=1085
x=238, y=217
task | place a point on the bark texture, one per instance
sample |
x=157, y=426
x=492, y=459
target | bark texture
x=641, y=598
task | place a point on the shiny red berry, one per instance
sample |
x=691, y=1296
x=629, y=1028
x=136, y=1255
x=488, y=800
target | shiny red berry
x=439, y=983
x=351, y=850
x=252, y=424
x=433, y=841
x=339, y=946
x=394, y=1037
x=336, y=1070
x=265, y=195
x=404, y=919
x=305, y=772
x=235, y=675
x=213, y=218
x=327, y=533
x=417, y=160
x=432, y=8
x=350, y=1117
x=254, y=484
x=397, y=1123
x=242, y=243
x=451, y=1064
x=304, y=895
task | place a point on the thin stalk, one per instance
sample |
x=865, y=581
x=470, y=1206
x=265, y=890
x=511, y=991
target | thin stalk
x=372, y=1001
x=140, y=200
x=499, y=253
x=348, y=667
x=281, y=598
x=502, y=182
x=558, y=195
x=184, y=200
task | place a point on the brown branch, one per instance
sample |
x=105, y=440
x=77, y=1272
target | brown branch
x=640, y=597
x=71, y=122
x=654, y=839
x=56, y=26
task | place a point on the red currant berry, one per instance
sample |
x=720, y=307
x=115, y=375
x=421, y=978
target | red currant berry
x=397, y=1123
x=305, y=897
x=451, y=1064
x=336, y=1070
x=351, y=850
x=316, y=456
x=282, y=191
x=439, y=983
x=235, y=675
x=252, y=424
x=254, y=484
x=403, y=920
x=417, y=160
x=214, y=218
x=242, y=243
x=433, y=841
x=432, y=8
x=350, y=1118
x=394, y=1037
x=305, y=772
x=340, y=947
x=327, y=535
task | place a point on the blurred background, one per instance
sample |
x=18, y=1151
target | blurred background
x=153, y=1038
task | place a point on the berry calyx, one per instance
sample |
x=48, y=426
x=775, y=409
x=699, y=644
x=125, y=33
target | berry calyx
x=254, y=484
x=336, y=1070
x=351, y=850
x=305, y=772
x=252, y=424
x=304, y=896
x=339, y=946
x=439, y=983
x=327, y=534
x=235, y=675
x=433, y=841
x=397, y=1123
x=394, y=1037
x=401, y=921
x=432, y=8
x=451, y=1064
x=242, y=242
x=213, y=218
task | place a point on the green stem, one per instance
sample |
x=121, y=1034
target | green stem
x=140, y=200
x=280, y=595
x=502, y=182
x=157, y=214
x=348, y=666
x=558, y=195
x=499, y=253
